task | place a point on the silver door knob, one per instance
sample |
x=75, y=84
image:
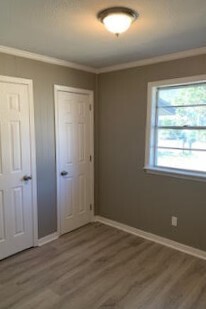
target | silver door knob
x=64, y=173
x=26, y=178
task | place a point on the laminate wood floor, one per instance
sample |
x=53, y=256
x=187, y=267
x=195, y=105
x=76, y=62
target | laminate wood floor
x=101, y=267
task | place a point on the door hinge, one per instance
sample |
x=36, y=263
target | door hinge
x=90, y=158
x=90, y=107
x=90, y=206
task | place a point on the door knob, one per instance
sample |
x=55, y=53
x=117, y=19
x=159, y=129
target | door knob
x=26, y=178
x=64, y=173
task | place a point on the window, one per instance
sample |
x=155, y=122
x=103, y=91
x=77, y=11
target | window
x=176, y=127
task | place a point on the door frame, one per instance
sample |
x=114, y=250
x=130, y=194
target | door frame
x=91, y=102
x=29, y=84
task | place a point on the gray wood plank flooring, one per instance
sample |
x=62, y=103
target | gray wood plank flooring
x=101, y=267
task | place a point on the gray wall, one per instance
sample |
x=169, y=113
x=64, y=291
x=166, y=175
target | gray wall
x=123, y=191
x=126, y=193
x=44, y=77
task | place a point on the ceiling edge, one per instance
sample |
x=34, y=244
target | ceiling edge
x=163, y=58
x=51, y=60
x=47, y=59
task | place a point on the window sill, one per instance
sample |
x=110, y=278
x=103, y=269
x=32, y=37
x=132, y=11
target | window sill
x=175, y=173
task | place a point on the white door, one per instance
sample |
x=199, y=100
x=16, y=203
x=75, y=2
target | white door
x=16, y=195
x=74, y=158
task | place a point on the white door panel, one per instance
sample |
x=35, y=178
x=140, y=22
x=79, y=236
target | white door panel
x=73, y=133
x=16, y=205
x=2, y=217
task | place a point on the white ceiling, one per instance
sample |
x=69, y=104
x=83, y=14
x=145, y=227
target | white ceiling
x=69, y=29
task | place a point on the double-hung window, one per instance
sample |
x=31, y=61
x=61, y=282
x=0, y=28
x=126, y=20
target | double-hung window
x=176, y=127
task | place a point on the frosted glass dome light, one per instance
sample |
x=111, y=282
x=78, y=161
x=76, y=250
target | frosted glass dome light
x=118, y=19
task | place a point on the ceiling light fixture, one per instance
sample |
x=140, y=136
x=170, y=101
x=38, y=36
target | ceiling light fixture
x=117, y=19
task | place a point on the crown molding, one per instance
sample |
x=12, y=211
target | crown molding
x=163, y=58
x=47, y=59
x=123, y=66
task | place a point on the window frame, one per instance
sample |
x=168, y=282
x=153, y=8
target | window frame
x=151, y=124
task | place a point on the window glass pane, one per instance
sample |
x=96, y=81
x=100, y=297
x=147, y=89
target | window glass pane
x=180, y=116
x=182, y=95
x=190, y=139
x=181, y=159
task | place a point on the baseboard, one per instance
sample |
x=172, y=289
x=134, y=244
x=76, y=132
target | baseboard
x=45, y=240
x=158, y=239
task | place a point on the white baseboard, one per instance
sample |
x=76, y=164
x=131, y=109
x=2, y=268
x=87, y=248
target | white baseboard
x=158, y=239
x=45, y=240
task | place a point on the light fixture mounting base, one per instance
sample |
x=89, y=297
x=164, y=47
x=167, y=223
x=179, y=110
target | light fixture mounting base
x=117, y=9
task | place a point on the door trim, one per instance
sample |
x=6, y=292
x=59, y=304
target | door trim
x=91, y=102
x=29, y=83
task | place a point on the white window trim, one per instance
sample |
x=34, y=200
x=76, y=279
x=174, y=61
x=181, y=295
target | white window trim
x=150, y=130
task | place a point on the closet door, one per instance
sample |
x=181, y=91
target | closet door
x=16, y=196
x=74, y=138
